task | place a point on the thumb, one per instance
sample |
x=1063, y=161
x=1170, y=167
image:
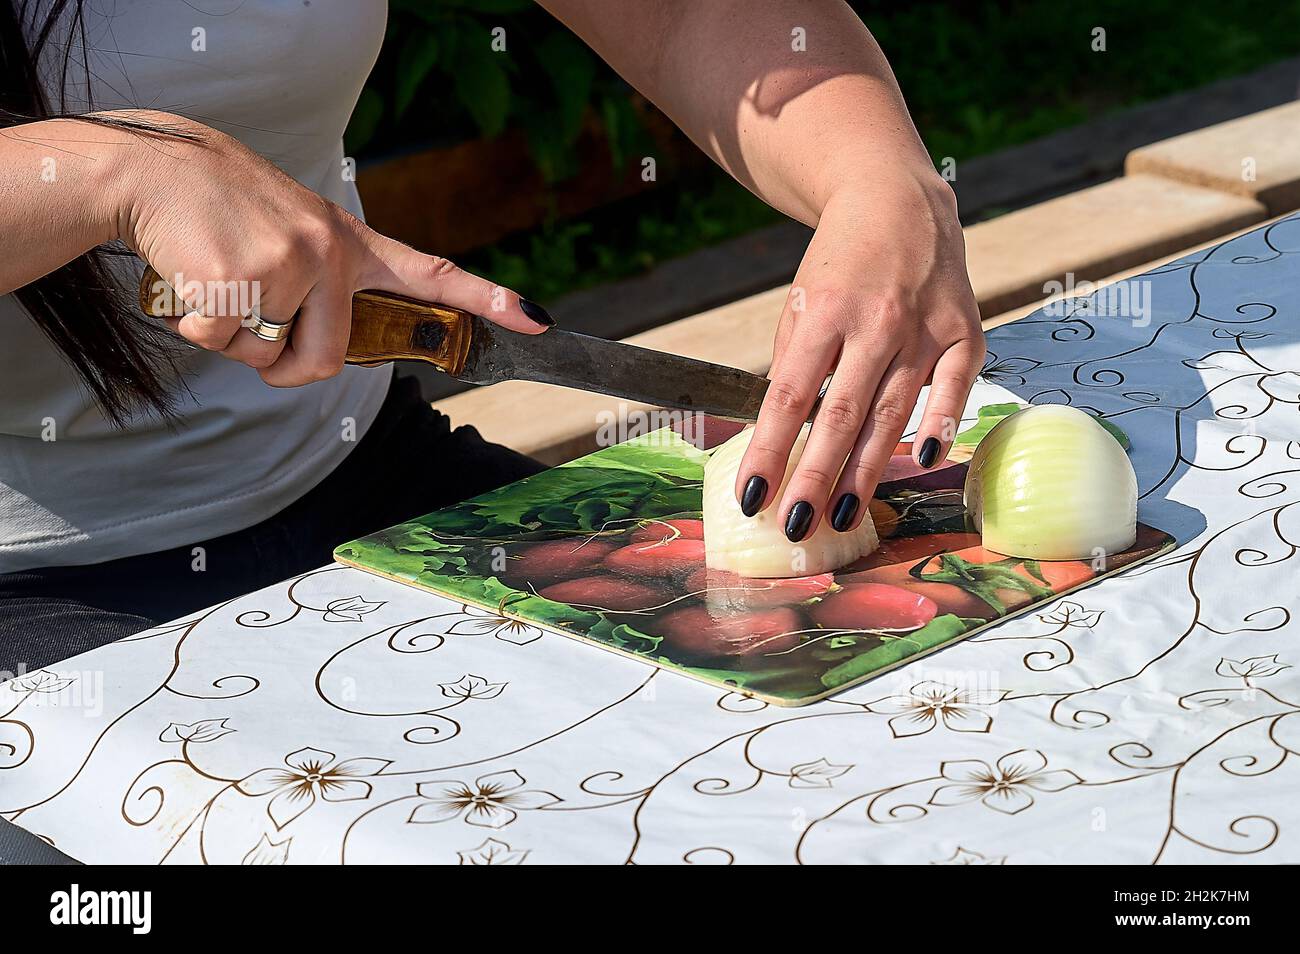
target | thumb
x=395, y=267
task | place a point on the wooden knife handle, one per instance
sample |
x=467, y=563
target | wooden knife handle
x=385, y=326
x=388, y=327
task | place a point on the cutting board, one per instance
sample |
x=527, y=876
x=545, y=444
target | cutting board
x=553, y=550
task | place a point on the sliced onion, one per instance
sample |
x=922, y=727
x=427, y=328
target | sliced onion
x=757, y=546
x=1050, y=483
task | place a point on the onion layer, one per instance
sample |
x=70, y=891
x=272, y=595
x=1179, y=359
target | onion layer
x=1050, y=483
x=757, y=546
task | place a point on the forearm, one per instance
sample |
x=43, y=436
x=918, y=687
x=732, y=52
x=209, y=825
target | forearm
x=794, y=126
x=797, y=102
x=60, y=182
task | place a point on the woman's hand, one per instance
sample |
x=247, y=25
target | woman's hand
x=882, y=303
x=240, y=233
x=811, y=120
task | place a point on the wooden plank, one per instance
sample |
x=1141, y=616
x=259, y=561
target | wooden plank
x=1257, y=157
x=1021, y=311
x=1093, y=233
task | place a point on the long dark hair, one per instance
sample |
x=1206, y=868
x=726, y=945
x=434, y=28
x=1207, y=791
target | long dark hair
x=128, y=362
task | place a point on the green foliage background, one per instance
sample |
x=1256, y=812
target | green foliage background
x=979, y=75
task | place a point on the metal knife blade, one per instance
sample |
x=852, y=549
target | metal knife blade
x=616, y=368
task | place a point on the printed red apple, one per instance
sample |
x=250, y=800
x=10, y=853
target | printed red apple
x=695, y=631
x=873, y=606
x=606, y=592
x=947, y=597
x=673, y=558
x=553, y=560
x=655, y=531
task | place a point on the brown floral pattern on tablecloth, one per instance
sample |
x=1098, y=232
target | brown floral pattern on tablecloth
x=1154, y=718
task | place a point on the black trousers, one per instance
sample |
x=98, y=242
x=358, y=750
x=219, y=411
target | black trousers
x=408, y=463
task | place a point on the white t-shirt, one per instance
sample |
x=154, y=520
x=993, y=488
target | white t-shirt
x=282, y=76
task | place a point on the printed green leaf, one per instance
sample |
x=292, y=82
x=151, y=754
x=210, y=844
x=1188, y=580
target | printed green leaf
x=986, y=418
x=935, y=633
x=625, y=637
x=657, y=477
x=991, y=414
x=1116, y=432
x=983, y=580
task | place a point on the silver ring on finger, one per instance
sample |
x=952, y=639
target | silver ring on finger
x=267, y=330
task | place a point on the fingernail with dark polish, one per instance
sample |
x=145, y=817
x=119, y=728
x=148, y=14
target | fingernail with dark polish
x=929, y=452
x=537, y=313
x=752, y=499
x=798, y=521
x=845, y=509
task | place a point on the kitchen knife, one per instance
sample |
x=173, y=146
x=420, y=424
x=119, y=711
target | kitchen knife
x=389, y=327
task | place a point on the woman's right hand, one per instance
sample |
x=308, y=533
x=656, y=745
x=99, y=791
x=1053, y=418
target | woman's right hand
x=212, y=212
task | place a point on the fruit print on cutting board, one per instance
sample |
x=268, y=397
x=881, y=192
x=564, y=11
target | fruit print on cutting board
x=609, y=549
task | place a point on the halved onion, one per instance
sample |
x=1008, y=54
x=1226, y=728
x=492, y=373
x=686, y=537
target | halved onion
x=757, y=546
x=1050, y=483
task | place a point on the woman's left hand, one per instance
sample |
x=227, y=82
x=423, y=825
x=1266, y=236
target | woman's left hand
x=881, y=303
x=811, y=120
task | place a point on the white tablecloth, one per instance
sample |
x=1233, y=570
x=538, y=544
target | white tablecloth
x=1151, y=718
